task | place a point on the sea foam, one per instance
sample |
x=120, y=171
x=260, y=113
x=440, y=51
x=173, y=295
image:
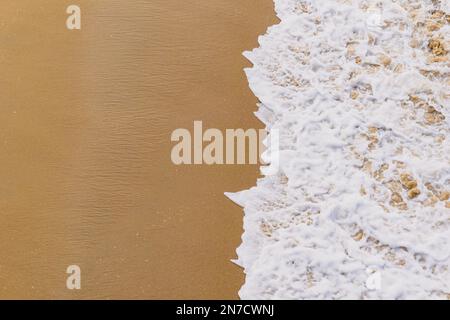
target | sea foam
x=359, y=91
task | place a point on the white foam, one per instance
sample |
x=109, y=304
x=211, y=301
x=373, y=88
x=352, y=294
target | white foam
x=313, y=230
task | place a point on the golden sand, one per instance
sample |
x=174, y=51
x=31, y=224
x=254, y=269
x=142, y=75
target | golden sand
x=85, y=133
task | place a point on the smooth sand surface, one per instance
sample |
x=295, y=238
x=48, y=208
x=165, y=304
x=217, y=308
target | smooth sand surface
x=85, y=124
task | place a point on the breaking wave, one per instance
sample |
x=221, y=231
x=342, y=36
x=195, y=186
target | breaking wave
x=359, y=91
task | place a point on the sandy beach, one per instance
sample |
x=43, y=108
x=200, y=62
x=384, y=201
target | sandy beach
x=85, y=135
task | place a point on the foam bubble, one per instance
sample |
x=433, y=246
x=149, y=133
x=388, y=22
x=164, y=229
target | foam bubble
x=361, y=101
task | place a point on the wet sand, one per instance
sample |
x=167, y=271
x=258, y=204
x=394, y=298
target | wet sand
x=85, y=169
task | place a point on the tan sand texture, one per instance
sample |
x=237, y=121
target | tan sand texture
x=85, y=123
